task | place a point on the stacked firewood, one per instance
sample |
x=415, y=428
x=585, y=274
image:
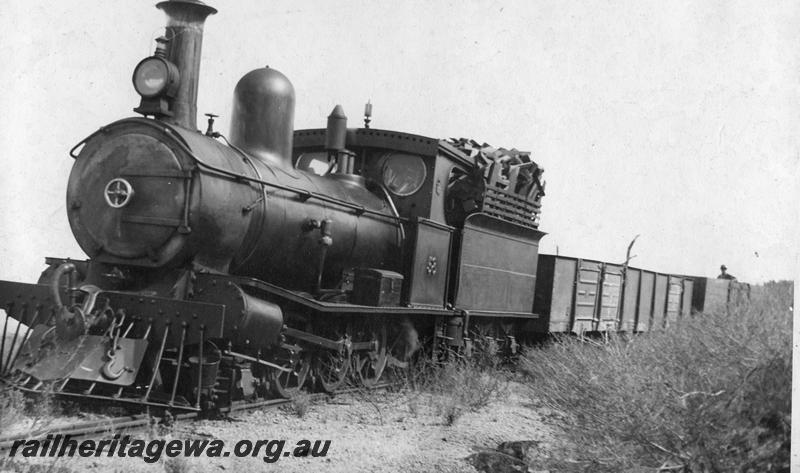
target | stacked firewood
x=509, y=169
x=503, y=182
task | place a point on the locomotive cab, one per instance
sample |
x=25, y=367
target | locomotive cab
x=450, y=258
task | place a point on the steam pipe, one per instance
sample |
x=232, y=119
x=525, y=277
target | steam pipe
x=185, y=19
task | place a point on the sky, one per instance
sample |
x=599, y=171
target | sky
x=674, y=120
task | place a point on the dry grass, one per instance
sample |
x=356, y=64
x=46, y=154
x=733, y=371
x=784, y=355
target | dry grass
x=12, y=407
x=177, y=465
x=19, y=413
x=301, y=402
x=54, y=465
x=713, y=393
x=458, y=386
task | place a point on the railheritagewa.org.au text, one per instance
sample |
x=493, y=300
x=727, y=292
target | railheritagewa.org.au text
x=270, y=451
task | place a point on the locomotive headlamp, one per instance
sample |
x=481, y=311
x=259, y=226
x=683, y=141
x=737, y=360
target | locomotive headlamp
x=154, y=77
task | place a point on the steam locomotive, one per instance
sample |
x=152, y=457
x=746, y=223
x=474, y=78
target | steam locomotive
x=229, y=268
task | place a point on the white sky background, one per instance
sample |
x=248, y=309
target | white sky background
x=674, y=120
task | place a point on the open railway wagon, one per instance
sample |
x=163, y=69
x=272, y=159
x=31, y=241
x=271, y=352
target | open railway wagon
x=582, y=295
x=228, y=268
x=712, y=295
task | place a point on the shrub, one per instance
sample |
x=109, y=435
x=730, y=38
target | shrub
x=712, y=393
x=458, y=386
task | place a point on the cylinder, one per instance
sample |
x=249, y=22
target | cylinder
x=259, y=324
x=262, y=122
x=185, y=34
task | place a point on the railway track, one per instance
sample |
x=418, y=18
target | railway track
x=135, y=422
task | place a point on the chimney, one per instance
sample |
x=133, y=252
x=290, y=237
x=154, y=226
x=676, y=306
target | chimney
x=185, y=19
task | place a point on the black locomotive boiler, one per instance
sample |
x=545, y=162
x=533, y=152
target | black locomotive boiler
x=223, y=268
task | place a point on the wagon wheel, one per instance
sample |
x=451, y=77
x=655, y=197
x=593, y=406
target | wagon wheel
x=286, y=384
x=369, y=364
x=330, y=369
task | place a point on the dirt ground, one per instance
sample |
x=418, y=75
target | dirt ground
x=378, y=431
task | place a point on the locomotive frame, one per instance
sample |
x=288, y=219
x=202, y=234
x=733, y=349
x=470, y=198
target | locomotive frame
x=185, y=303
